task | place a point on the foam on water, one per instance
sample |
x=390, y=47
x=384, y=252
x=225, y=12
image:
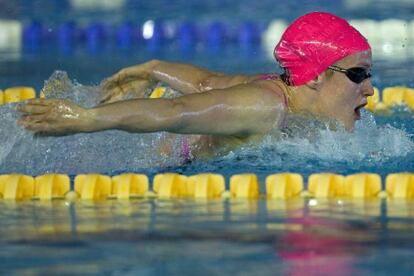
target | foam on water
x=105, y=151
x=308, y=144
x=367, y=141
x=314, y=146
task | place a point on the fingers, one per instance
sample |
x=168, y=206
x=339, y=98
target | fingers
x=34, y=126
x=35, y=118
x=33, y=109
x=37, y=106
x=39, y=102
x=132, y=88
x=112, y=81
x=111, y=94
x=36, y=113
x=50, y=116
x=41, y=125
x=27, y=121
x=125, y=75
x=137, y=85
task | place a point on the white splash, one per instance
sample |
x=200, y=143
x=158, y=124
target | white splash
x=106, y=151
x=315, y=143
x=309, y=144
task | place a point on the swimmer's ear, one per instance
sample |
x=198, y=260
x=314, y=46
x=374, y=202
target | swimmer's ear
x=316, y=83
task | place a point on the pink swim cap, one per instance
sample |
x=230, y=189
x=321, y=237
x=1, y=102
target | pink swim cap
x=315, y=41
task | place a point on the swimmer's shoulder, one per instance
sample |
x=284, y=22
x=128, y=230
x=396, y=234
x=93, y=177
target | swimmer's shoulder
x=271, y=101
x=273, y=85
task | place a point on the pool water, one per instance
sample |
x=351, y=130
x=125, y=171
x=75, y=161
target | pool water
x=226, y=236
x=215, y=237
x=176, y=237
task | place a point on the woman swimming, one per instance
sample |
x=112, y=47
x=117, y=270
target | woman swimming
x=326, y=66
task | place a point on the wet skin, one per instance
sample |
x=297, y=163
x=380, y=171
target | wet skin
x=221, y=108
x=340, y=98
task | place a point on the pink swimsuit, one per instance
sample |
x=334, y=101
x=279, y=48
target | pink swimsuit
x=185, y=154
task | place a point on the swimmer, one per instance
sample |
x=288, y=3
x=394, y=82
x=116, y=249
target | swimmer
x=326, y=65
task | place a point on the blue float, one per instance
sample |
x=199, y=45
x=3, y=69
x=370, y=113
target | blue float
x=216, y=35
x=187, y=36
x=249, y=35
x=155, y=34
x=95, y=35
x=67, y=35
x=125, y=35
x=33, y=34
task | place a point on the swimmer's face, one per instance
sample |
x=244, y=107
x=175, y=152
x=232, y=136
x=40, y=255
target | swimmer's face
x=341, y=98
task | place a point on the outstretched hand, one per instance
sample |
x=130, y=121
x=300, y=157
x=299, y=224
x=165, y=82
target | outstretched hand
x=116, y=91
x=54, y=117
x=130, y=82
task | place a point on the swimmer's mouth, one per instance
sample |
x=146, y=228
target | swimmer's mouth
x=357, y=111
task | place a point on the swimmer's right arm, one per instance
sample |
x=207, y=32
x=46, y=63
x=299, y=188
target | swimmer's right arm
x=239, y=111
x=185, y=78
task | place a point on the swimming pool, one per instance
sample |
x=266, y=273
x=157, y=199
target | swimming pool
x=181, y=236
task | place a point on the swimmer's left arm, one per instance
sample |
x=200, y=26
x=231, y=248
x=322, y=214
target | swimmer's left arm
x=186, y=78
x=240, y=111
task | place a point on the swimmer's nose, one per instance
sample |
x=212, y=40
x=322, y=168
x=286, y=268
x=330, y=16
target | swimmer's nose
x=368, y=89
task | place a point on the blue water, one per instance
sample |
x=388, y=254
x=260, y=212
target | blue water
x=183, y=237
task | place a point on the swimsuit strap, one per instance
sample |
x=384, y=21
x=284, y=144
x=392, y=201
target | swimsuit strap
x=286, y=89
x=271, y=76
x=282, y=85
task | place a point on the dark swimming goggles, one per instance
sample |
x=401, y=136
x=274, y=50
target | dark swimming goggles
x=355, y=74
